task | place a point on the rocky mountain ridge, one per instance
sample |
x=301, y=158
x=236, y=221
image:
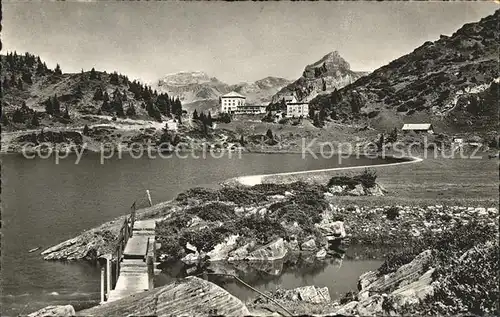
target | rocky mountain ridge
x=451, y=83
x=197, y=89
x=327, y=74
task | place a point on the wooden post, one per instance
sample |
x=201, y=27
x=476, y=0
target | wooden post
x=149, y=197
x=150, y=264
x=102, y=284
x=108, y=276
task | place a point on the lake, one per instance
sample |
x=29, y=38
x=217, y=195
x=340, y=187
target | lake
x=44, y=203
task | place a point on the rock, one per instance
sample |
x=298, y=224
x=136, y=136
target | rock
x=413, y=293
x=191, y=257
x=293, y=245
x=221, y=251
x=357, y=191
x=376, y=190
x=313, y=294
x=191, y=247
x=348, y=309
x=241, y=253
x=272, y=251
x=404, y=275
x=309, y=245
x=262, y=212
x=371, y=306
x=334, y=228
x=310, y=294
x=195, y=221
x=366, y=279
x=277, y=197
x=337, y=190
x=59, y=310
x=191, y=296
x=287, y=193
x=239, y=211
x=321, y=254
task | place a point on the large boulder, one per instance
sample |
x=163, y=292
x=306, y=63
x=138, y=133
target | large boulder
x=358, y=190
x=270, y=252
x=333, y=229
x=310, y=294
x=404, y=275
x=309, y=245
x=413, y=293
x=191, y=296
x=221, y=251
x=59, y=310
x=242, y=252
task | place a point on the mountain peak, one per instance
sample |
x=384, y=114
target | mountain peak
x=332, y=60
x=183, y=78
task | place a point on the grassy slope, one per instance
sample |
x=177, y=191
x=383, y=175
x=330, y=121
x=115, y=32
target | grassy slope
x=432, y=181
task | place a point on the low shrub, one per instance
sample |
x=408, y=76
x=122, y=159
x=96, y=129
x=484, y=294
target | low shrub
x=213, y=212
x=392, y=213
x=197, y=193
x=367, y=179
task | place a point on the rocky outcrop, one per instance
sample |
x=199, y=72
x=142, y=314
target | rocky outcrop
x=59, y=311
x=191, y=296
x=242, y=252
x=273, y=251
x=311, y=294
x=309, y=245
x=387, y=294
x=358, y=190
x=221, y=251
x=329, y=73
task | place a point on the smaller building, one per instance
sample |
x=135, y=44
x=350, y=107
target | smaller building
x=172, y=125
x=297, y=109
x=418, y=128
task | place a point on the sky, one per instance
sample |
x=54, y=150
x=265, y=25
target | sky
x=234, y=42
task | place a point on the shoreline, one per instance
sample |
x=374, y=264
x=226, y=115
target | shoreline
x=251, y=180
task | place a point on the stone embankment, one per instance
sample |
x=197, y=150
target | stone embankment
x=191, y=296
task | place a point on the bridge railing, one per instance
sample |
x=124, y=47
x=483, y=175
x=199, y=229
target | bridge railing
x=126, y=232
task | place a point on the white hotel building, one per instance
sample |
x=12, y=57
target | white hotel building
x=234, y=103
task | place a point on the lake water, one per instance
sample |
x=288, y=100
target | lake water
x=44, y=203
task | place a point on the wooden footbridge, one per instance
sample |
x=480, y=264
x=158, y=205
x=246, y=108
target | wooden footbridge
x=130, y=269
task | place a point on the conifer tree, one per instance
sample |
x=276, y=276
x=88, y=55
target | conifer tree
x=93, y=74
x=58, y=70
x=34, y=120
x=66, y=113
x=86, y=130
x=269, y=134
x=195, y=115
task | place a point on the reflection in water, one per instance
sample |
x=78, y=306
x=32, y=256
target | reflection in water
x=339, y=274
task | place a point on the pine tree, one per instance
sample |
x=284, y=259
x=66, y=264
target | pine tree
x=209, y=119
x=49, y=107
x=393, y=136
x=195, y=115
x=20, y=84
x=131, y=110
x=18, y=116
x=324, y=84
x=98, y=95
x=34, y=120
x=58, y=70
x=380, y=143
x=93, y=74
x=66, y=113
x=4, y=119
x=5, y=83
x=56, y=105
x=86, y=130
x=269, y=134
